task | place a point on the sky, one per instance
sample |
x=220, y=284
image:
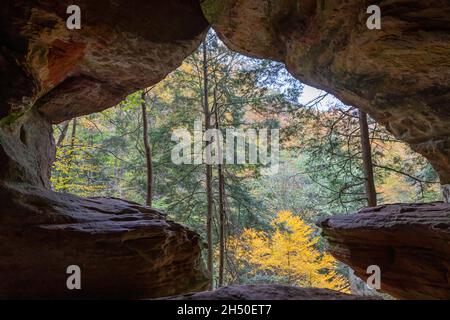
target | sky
x=311, y=93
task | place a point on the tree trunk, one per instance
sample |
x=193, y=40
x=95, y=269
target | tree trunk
x=367, y=160
x=209, y=194
x=63, y=134
x=148, y=152
x=74, y=133
x=221, y=201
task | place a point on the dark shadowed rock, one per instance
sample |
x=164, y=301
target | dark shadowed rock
x=268, y=292
x=409, y=242
x=124, y=250
x=122, y=46
x=400, y=75
x=48, y=74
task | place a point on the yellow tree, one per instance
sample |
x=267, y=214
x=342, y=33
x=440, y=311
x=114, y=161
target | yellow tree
x=71, y=169
x=289, y=252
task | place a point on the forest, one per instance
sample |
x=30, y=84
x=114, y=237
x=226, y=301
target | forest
x=255, y=228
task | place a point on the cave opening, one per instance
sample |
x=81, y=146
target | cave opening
x=51, y=76
x=319, y=169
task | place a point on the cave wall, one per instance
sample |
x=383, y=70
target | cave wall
x=49, y=74
x=122, y=46
x=400, y=75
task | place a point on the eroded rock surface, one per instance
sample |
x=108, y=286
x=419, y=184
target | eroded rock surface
x=268, y=292
x=400, y=74
x=122, y=46
x=124, y=250
x=48, y=74
x=409, y=242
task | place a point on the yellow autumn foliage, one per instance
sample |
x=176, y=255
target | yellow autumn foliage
x=289, y=252
x=70, y=170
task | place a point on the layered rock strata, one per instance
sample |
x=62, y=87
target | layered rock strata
x=410, y=243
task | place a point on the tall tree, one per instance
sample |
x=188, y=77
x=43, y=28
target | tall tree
x=62, y=136
x=367, y=160
x=148, y=150
x=222, y=196
x=209, y=192
x=74, y=133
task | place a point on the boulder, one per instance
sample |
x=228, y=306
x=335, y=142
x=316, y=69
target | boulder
x=124, y=250
x=409, y=242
